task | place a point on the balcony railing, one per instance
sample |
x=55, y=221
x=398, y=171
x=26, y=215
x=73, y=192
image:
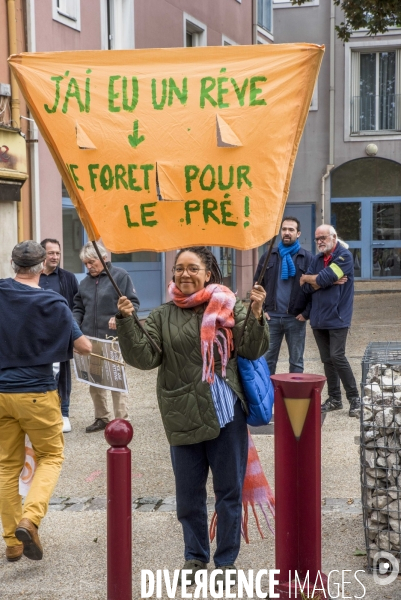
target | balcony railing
x=376, y=113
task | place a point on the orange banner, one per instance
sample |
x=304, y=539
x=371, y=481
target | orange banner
x=165, y=148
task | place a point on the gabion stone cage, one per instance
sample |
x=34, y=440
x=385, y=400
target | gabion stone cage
x=381, y=449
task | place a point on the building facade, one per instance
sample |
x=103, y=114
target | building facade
x=45, y=210
x=348, y=168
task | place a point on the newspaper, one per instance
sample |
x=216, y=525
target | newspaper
x=100, y=372
x=28, y=471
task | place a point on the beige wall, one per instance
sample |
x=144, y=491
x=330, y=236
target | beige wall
x=8, y=210
x=8, y=236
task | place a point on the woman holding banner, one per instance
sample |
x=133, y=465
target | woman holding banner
x=200, y=397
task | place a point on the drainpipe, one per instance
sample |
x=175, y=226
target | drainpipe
x=15, y=103
x=330, y=166
x=323, y=195
x=33, y=133
x=254, y=21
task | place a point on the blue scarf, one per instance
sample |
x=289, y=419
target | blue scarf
x=287, y=264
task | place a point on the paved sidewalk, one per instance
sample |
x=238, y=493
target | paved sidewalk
x=74, y=531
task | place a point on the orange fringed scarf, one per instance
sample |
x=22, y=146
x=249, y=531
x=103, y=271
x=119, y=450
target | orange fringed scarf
x=256, y=491
x=218, y=317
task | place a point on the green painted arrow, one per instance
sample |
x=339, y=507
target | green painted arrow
x=135, y=139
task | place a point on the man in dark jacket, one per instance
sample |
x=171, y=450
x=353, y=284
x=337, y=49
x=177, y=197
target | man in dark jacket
x=95, y=306
x=65, y=283
x=287, y=306
x=330, y=279
x=36, y=328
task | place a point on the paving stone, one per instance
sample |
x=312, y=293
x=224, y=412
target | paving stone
x=78, y=500
x=146, y=508
x=57, y=501
x=167, y=508
x=56, y=507
x=170, y=500
x=76, y=507
x=98, y=504
x=149, y=500
x=336, y=501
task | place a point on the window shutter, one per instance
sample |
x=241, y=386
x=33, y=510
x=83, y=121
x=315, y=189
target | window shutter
x=355, y=92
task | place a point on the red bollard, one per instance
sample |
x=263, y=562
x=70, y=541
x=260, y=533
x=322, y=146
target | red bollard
x=118, y=434
x=297, y=444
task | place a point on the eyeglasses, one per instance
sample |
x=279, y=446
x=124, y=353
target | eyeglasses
x=322, y=238
x=191, y=270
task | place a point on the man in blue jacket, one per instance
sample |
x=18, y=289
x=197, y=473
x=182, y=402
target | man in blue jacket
x=286, y=306
x=36, y=328
x=330, y=279
x=65, y=283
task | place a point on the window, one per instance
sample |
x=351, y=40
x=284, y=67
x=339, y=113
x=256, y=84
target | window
x=67, y=12
x=375, y=91
x=118, y=24
x=314, y=101
x=288, y=4
x=194, y=32
x=265, y=15
x=226, y=41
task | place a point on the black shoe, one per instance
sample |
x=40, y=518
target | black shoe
x=355, y=407
x=98, y=425
x=331, y=404
x=222, y=576
x=193, y=566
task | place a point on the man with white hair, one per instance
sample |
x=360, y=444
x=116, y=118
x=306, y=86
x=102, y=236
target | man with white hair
x=95, y=306
x=330, y=279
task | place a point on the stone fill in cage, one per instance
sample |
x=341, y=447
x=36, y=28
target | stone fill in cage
x=381, y=451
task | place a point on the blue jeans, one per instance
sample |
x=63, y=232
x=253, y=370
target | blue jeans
x=227, y=457
x=294, y=332
x=64, y=387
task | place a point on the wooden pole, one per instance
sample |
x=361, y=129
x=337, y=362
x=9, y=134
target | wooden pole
x=259, y=281
x=134, y=315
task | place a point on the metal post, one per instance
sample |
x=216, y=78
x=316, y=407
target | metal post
x=297, y=443
x=118, y=434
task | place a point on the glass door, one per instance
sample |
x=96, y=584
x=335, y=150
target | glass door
x=372, y=228
x=226, y=260
x=346, y=218
x=386, y=238
x=147, y=273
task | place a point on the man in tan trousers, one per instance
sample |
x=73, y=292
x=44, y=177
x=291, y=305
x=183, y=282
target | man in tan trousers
x=36, y=329
x=95, y=306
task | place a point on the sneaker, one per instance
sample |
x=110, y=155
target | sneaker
x=331, y=404
x=193, y=566
x=222, y=576
x=66, y=425
x=354, y=407
x=98, y=425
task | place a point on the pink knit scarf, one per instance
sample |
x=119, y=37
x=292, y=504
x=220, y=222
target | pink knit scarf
x=217, y=322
